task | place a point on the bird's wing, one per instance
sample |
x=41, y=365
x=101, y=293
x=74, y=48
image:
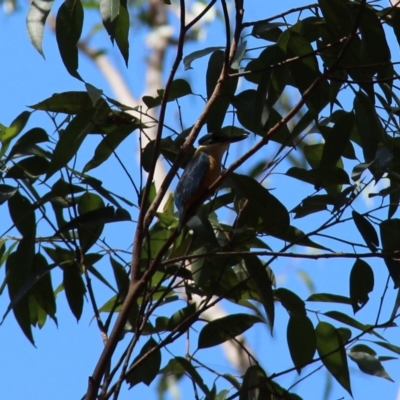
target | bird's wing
x=191, y=179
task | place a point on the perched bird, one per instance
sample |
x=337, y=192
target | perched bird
x=202, y=171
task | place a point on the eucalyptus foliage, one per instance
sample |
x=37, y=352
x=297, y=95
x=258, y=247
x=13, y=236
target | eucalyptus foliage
x=339, y=135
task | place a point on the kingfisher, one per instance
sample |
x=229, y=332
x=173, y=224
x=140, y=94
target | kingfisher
x=202, y=171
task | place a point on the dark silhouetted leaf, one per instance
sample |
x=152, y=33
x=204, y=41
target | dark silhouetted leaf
x=66, y=102
x=179, y=88
x=147, y=369
x=329, y=298
x=368, y=125
x=257, y=271
x=261, y=206
x=8, y=134
x=293, y=303
x=70, y=140
x=226, y=328
x=180, y=316
x=254, y=385
x=333, y=355
x=301, y=340
x=217, y=112
x=367, y=231
x=121, y=278
x=69, y=23
x=361, y=284
x=122, y=31
x=390, y=239
x=74, y=288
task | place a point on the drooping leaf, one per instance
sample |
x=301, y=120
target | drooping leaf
x=218, y=110
x=226, y=328
x=361, y=284
x=390, y=238
x=21, y=309
x=109, y=10
x=301, y=340
x=69, y=22
x=337, y=140
x=368, y=125
x=333, y=355
x=74, y=288
x=36, y=20
x=146, y=370
x=257, y=272
x=293, y=303
x=122, y=31
x=367, y=231
x=121, y=278
x=70, y=140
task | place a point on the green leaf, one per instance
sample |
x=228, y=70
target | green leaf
x=8, y=134
x=122, y=31
x=296, y=236
x=146, y=370
x=66, y=102
x=30, y=167
x=389, y=346
x=261, y=205
x=36, y=20
x=179, y=88
x=219, y=108
x=293, y=303
x=329, y=298
x=226, y=328
x=109, y=144
x=390, y=238
x=22, y=214
x=91, y=219
x=346, y=319
x=305, y=70
x=14, y=282
x=121, y=278
x=337, y=140
x=367, y=230
x=182, y=318
x=70, y=141
x=109, y=10
x=333, y=355
x=369, y=364
x=28, y=140
x=361, y=284
x=69, y=22
x=368, y=125
x=301, y=340
x=74, y=288
x=187, y=60
x=257, y=272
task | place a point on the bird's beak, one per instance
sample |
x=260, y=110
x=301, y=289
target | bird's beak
x=235, y=138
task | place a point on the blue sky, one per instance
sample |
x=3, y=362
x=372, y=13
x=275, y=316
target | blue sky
x=65, y=356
